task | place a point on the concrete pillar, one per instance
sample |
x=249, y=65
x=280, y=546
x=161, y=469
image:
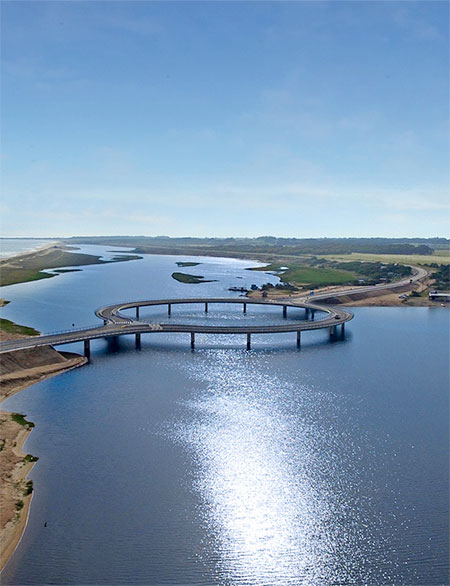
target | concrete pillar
x=87, y=348
x=169, y=309
x=343, y=331
x=284, y=311
x=249, y=343
x=298, y=339
x=313, y=313
x=244, y=305
x=138, y=341
x=332, y=332
x=206, y=308
x=137, y=312
x=306, y=312
x=192, y=340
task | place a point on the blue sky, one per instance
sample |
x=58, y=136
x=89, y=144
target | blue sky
x=300, y=119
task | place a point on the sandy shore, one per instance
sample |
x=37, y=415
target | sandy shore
x=20, y=370
x=24, y=253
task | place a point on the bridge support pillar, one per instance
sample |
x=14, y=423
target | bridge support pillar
x=306, y=312
x=137, y=312
x=313, y=313
x=169, y=309
x=206, y=308
x=138, y=341
x=343, y=331
x=332, y=332
x=104, y=322
x=87, y=348
x=192, y=341
x=244, y=305
x=298, y=339
x=249, y=341
x=284, y=311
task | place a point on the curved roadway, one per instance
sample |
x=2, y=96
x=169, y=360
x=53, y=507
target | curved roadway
x=116, y=324
x=420, y=273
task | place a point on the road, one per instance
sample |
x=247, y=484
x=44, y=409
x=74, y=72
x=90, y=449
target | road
x=419, y=273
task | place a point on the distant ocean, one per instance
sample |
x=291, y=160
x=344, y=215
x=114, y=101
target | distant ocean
x=13, y=246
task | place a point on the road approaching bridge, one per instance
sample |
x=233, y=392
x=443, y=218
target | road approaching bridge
x=418, y=274
x=116, y=324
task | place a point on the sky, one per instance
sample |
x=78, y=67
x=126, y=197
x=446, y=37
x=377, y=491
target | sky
x=296, y=119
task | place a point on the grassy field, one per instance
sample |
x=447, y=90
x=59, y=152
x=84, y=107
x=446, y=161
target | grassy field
x=440, y=257
x=12, y=328
x=316, y=277
x=311, y=276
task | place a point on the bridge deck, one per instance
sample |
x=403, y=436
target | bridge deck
x=118, y=325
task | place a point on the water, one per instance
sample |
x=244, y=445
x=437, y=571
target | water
x=323, y=466
x=13, y=246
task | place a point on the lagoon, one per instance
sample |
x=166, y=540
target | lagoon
x=220, y=466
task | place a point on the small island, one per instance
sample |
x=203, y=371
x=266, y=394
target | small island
x=185, y=278
x=187, y=264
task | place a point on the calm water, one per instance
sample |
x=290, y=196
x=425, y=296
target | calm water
x=323, y=466
x=12, y=246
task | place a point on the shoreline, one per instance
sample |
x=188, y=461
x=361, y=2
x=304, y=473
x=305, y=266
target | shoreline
x=387, y=298
x=15, y=466
x=374, y=298
x=30, y=251
x=12, y=532
x=15, y=381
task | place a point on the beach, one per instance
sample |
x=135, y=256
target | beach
x=18, y=372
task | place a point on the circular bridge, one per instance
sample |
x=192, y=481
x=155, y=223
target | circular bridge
x=116, y=324
x=335, y=317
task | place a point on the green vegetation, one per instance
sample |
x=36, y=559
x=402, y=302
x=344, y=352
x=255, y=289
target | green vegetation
x=125, y=257
x=20, y=419
x=19, y=505
x=412, y=259
x=28, y=488
x=316, y=277
x=441, y=277
x=310, y=276
x=374, y=272
x=11, y=276
x=185, y=278
x=271, y=245
x=319, y=272
x=187, y=264
x=29, y=267
x=12, y=328
x=30, y=458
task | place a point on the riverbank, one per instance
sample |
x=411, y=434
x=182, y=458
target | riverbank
x=30, y=266
x=19, y=370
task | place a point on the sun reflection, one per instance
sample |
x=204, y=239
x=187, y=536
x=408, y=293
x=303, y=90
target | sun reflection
x=270, y=494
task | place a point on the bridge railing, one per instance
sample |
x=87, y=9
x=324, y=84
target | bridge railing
x=69, y=330
x=8, y=343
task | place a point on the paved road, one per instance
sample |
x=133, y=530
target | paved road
x=418, y=274
x=116, y=324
